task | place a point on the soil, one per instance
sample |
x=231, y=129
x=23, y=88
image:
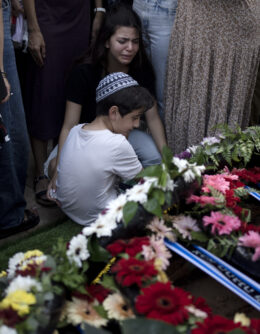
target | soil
x=221, y=300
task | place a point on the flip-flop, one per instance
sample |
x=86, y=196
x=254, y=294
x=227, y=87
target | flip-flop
x=39, y=195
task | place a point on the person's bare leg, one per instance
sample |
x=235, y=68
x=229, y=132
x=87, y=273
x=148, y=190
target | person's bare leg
x=39, y=149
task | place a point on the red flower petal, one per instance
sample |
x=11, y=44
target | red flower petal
x=163, y=302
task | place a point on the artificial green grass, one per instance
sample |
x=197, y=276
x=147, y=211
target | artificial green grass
x=43, y=239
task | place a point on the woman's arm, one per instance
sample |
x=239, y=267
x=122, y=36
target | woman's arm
x=156, y=127
x=98, y=19
x=36, y=44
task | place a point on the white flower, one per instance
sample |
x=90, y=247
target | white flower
x=185, y=225
x=23, y=283
x=210, y=141
x=22, y=260
x=13, y=264
x=7, y=330
x=80, y=311
x=139, y=192
x=115, y=207
x=189, y=176
x=117, y=308
x=78, y=250
x=192, y=149
x=103, y=226
x=161, y=231
x=182, y=164
x=190, y=171
x=197, y=312
x=157, y=250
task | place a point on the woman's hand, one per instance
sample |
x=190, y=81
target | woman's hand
x=8, y=89
x=36, y=46
x=51, y=191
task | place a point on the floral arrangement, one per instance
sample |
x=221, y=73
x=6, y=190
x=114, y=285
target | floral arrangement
x=106, y=277
x=229, y=147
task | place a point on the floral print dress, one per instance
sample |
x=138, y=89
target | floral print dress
x=214, y=55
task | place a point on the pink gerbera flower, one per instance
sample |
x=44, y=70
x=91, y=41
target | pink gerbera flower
x=252, y=240
x=203, y=200
x=223, y=224
x=217, y=182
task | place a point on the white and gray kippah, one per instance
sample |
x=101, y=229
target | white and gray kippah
x=113, y=83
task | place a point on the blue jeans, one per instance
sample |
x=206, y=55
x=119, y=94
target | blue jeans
x=157, y=18
x=144, y=148
x=15, y=153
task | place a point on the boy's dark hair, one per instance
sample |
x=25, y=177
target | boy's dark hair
x=127, y=100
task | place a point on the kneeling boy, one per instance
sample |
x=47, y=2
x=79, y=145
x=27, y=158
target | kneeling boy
x=95, y=155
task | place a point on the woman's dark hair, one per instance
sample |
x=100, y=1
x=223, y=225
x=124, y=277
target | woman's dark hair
x=127, y=100
x=119, y=15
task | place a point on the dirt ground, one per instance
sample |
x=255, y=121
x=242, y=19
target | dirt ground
x=221, y=300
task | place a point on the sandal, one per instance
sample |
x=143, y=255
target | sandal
x=41, y=196
x=31, y=219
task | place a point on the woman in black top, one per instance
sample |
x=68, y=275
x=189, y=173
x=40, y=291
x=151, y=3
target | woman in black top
x=118, y=48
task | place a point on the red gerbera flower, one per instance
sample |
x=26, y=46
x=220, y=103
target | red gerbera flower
x=130, y=246
x=215, y=325
x=254, y=327
x=163, y=302
x=93, y=291
x=133, y=271
x=231, y=199
x=10, y=317
x=201, y=304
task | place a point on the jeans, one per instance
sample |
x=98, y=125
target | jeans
x=15, y=153
x=157, y=18
x=144, y=148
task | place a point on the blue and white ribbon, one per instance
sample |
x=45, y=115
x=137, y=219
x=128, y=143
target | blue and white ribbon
x=231, y=278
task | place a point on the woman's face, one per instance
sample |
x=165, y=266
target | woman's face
x=123, y=45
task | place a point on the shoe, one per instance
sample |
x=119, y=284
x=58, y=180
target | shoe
x=40, y=196
x=32, y=219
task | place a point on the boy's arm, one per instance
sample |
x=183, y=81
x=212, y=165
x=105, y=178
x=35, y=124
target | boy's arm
x=36, y=44
x=156, y=127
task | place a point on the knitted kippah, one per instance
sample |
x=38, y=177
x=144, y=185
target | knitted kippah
x=113, y=83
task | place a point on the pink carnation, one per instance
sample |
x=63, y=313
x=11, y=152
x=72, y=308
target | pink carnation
x=223, y=224
x=217, y=182
x=203, y=200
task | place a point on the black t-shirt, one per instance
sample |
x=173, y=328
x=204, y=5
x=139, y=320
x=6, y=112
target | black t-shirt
x=84, y=79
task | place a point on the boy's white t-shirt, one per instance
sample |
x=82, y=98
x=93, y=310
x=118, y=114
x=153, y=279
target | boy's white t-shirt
x=90, y=163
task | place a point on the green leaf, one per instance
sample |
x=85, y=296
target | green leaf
x=199, y=236
x=167, y=155
x=108, y=283
x=153, y=206
x=129, y=211
x=159, y=195
x=154, y=170
x=98, y=253
x=142, y=325
x=168, y=198
x=101, y=311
